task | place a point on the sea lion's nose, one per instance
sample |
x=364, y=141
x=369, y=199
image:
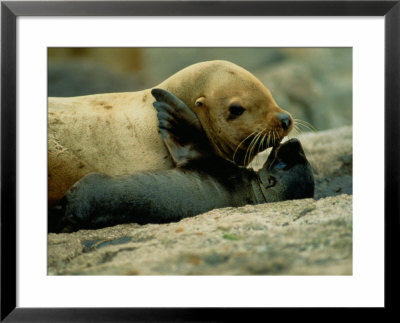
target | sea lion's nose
x=285, y=120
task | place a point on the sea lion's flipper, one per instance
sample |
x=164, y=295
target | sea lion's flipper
x=180, y=128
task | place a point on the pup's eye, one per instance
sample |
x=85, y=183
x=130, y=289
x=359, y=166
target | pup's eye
x=280, y=165
x=236, y=110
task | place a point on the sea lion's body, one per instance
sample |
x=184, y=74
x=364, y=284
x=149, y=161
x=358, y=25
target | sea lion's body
x=118, y=133
x=202, y=182
x=109, y=133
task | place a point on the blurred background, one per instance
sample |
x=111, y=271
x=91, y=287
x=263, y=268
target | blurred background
x=314, y=84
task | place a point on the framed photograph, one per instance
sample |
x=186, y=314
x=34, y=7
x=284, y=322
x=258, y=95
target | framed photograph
x=329, y=65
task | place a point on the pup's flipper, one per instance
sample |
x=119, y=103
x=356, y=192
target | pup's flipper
x=180, y=128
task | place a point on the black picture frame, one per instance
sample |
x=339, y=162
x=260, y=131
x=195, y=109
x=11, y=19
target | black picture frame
x=10, y=10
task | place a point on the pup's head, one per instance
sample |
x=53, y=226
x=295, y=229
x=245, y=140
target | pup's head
x=287, y=173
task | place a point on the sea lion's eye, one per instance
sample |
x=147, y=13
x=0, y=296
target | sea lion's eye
x=236, y=110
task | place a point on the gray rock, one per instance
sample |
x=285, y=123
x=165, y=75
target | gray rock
x=315, y=85
x=299, y=237
x=84, y=77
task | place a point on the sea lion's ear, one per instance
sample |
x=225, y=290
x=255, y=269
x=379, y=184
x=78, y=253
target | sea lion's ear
x=180, y=128
x=200, y=101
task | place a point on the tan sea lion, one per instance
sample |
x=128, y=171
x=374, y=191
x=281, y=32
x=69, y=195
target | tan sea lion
x=118, y=133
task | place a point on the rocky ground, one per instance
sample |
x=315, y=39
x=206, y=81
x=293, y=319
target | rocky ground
x=300, y=237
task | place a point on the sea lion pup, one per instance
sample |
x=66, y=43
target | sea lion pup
x=117, y=133
x=201, y=181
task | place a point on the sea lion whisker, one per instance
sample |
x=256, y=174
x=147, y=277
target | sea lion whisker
x=247, y=151
x=300, y=125
x=243, y=141
x=295, y=131
x=261, y=143
x=278, y=138
x=249, y=148
x=269, y=138
x=273, y=137
x=257, y=138
x=305, y=124
x=258, y=160
x=257, y=143
x=296, y=127
x=238, y=146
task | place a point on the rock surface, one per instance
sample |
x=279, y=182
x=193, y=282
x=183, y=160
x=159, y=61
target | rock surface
x=300, y=237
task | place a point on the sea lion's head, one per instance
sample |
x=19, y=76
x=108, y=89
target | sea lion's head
x=287, y=174
x=237, y=112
